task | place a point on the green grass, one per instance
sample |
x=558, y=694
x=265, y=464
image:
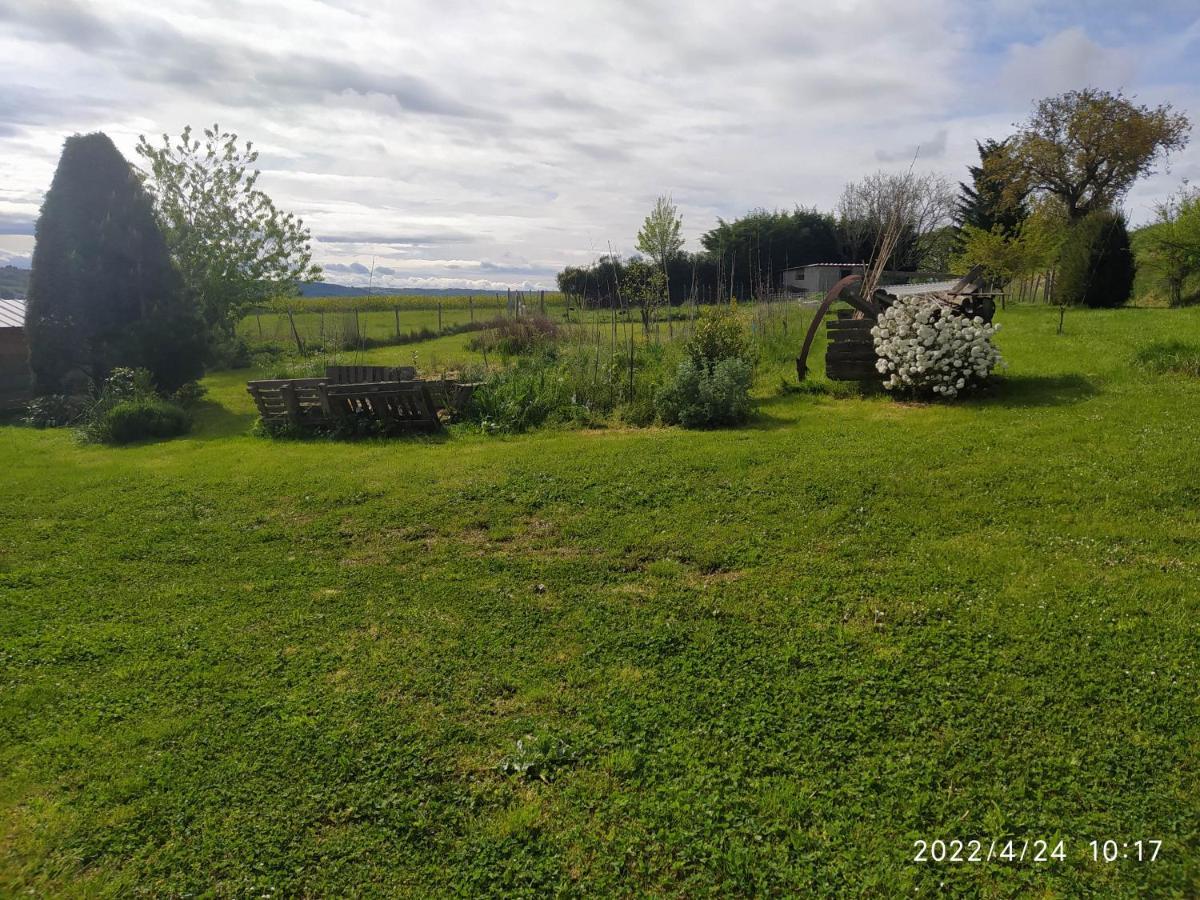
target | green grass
x=754, y=661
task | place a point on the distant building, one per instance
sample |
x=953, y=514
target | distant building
x=15, y=379
x=817, y=278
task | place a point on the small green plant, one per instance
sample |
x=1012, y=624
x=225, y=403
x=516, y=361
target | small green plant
x=189, y=394
x=699, y=398
x=1169, y=358
x=536, y=757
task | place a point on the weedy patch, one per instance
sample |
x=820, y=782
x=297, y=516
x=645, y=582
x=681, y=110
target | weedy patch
x=538, y=757
x=1169, y=357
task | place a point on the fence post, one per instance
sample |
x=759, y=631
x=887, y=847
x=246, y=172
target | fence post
x=396, y=310
x=295, y=333
x=471, y=307
x=439, y=317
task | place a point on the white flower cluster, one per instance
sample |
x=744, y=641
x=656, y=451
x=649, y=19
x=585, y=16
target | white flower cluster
x=924, y=347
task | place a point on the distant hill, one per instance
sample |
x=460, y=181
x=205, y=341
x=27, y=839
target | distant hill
x=329, y=289
x=14, y=282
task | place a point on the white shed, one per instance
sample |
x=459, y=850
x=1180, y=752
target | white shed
x=817, y=278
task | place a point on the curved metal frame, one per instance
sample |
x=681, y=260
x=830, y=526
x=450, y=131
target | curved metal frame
x=866, y=307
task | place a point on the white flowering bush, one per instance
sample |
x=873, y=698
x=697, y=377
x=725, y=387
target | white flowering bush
x=926, y=348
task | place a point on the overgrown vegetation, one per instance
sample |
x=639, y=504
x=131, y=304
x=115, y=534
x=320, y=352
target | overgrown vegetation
x=124, y=408
x=1172, y=357
x=515, y=336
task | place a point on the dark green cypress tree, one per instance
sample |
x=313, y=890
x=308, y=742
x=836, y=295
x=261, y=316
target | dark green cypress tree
x=1096, y=266
x=103, y=292
x=983, y=203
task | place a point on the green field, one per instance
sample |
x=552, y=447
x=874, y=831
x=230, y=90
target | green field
x=619, y=661
x=339, y=320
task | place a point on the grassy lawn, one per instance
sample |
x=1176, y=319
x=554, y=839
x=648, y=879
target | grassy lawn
x=755, y=661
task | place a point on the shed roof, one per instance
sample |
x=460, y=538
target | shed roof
x=12, y=313
x=910, y=290
x=845, y=265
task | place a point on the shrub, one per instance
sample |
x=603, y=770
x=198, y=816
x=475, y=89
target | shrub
x=1169, y=357
x=718, y=335
x=190, y=394
x=138, y=419
x=924, y=348
x=230, y=352
x=699, y=397
x=1095, y=266
x=516, y=336
x=55, y=410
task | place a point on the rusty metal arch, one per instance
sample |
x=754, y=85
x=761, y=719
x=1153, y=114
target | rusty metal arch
x=866, y=307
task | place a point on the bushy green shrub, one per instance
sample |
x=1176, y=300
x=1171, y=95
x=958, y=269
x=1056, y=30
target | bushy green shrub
x=138, y=419
x=697, y=397
x=719, y=335
x=1095, y=266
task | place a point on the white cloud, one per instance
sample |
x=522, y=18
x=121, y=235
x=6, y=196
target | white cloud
x=1064, y=61
x=447, y=138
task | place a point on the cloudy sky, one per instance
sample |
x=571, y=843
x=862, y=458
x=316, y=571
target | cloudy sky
x=488, y=144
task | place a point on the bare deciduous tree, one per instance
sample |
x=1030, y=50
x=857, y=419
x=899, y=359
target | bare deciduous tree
x=907, y=209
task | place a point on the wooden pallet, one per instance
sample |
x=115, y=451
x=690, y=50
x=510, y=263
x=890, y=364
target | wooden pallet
x=365, y=374
x=312, y=403
x=850, y=354
x=397, y=405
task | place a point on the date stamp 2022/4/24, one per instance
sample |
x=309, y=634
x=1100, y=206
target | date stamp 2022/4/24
x=1033, y=850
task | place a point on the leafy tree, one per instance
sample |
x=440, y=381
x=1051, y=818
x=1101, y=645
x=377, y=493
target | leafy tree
x=1170, y=245
x=102, y=291
x=644, y=286
x=1007, y=256
x=1095, y=267
x=234, y=249
x=989, y=201
x=1088, y=148
x=660, y=237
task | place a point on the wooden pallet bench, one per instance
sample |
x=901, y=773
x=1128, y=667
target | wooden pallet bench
x=315, y=403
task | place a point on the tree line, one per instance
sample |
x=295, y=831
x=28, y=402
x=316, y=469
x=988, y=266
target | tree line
x=1045, y=199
